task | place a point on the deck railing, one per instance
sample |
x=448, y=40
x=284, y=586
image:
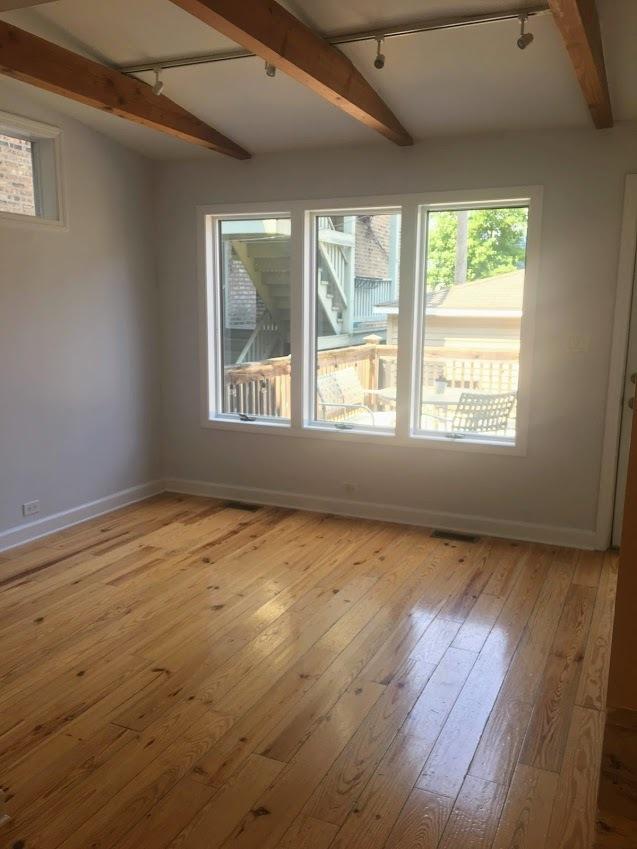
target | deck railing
x=263, y=389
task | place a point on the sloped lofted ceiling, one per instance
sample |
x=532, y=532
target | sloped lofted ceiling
x=458, y=81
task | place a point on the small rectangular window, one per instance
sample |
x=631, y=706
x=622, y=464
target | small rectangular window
x=254, y=312
x=355, y=301
x=29, y=171
x=472, y=308
x=17, y=191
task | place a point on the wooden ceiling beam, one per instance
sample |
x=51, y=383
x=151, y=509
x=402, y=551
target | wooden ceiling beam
x=41, y=63
x=578, y=23
x=10, y=5
x=271, y=32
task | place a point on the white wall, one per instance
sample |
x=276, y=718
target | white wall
x=549, y=494
x=79, y=378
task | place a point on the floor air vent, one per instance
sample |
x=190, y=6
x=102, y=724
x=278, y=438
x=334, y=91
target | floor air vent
x=454, y=535
x=242, y=505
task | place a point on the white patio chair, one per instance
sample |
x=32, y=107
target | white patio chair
x=341, y=391
x=479, y=412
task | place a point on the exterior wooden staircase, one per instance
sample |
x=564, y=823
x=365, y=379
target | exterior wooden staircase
x=266, y=259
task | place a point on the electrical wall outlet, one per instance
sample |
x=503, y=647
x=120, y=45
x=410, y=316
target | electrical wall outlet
x=30, y=508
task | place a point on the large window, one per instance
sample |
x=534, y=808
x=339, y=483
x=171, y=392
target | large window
x=356, y=280
x=405, y=319
x=473, y=289
x=254, y=309
x=29, y=171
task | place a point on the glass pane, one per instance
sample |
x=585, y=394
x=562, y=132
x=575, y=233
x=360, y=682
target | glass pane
x=473, y=291
x=255, y=309
x=356, y=292
x=16, y=176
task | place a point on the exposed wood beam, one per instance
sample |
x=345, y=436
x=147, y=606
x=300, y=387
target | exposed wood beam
x=9, y=5
x=578, y=22
x=41, y=63
x=270, y=31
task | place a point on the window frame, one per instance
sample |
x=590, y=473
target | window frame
x=48, y=183
x=410, y=326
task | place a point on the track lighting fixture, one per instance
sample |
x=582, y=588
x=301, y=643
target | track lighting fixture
x=525, y=37
x=379, y=61
x=270, y=70
x=158, y=87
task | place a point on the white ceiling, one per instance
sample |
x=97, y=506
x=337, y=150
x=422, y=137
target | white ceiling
x=448, y=82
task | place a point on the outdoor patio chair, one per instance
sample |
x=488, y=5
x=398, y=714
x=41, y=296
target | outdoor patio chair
x=479, y=412
x=342, y=392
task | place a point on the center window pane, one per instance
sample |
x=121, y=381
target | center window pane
x=356, y=308
x=255, y=311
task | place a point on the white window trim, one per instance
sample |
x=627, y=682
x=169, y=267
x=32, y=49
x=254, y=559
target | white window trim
x=409, y=330
x=36, y=131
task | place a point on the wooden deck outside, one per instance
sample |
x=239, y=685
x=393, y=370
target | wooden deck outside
x=185, y=674
x=264, y=388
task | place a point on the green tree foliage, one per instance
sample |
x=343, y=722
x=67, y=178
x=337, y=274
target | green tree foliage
x=496, y=244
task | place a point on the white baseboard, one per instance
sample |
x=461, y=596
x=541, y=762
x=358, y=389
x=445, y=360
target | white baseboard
x=525, y=531
x=58, y=521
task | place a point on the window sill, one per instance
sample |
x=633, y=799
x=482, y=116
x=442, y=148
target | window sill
x=316, y=430
x=15, y=219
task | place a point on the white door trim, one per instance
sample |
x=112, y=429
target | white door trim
x=616, y=377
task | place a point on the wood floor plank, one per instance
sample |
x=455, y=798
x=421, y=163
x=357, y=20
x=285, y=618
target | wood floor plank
x=527, y=811
x=165, y=820
x=475, y=815
x=501, y=742
x=594, y=678
x=308, y=833
x=617, y=795
x=421, y=822
x=588, y=568
x=461, y=602
x=266, y=824
x=478, y=624
x=216, y=820
x=369, y=823
x=354, y=767
x=548, y=729
x=250, y=731
x=524, y=676
x=110, y=824
x=453, y=752
x=573, y=818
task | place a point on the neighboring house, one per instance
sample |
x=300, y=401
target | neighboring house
x=16, y=176
x=484, y=314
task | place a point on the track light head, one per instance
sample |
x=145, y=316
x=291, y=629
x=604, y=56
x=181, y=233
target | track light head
x=525, y=38
x=158, y=87
x=379, y=61
x=270, y=70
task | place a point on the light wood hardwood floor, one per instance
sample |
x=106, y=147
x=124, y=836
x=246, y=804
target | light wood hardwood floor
x=182, y=673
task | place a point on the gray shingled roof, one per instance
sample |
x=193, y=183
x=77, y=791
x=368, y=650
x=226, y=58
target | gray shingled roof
x=501, y=293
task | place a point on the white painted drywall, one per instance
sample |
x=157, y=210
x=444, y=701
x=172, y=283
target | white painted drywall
x=79, y=377
x=556, y=484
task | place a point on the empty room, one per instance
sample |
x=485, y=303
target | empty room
x=318, y=459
